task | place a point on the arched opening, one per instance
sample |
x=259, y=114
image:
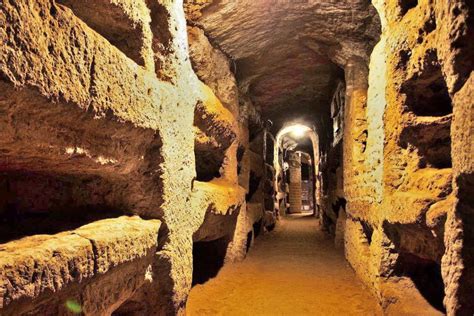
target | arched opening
x=145, y=146
x=296, y=159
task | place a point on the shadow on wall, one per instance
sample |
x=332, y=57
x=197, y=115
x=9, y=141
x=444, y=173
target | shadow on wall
x=254, y=184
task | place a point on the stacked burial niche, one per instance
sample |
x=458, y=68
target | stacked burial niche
x=401, y=186
x=124, y=179
x=68, y=166
x=213, y=189
x=229, y=176
x=74, y=184
x=97, y=138
x=257, y=197
x=334, y=217
x=307, y=183
x=427, y=135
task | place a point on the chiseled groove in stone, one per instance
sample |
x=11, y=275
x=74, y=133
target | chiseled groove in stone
x=94, y=251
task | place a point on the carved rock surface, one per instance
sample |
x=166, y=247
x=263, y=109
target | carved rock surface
x=286, y=52
x=33, y=266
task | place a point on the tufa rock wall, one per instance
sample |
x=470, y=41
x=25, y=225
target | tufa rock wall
x=407, y=159
x=122, y=149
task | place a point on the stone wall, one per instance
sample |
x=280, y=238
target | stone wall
x=129, y=154
x=122, y=149
x=231, y=178
x=406, y=166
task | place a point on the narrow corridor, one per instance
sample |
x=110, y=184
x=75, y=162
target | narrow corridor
x=155, y=151
x=293, y=271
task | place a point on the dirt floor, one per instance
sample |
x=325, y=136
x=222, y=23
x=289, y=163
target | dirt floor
x=293, y=271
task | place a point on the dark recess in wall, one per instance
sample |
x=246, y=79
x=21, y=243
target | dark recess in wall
x=208, y=259
x=406, y=5
x=427, y=93
x=208, y=164
x=425, y=274
x=32, y=203
x=253, y=185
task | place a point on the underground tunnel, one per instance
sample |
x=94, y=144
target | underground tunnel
x=222, y=157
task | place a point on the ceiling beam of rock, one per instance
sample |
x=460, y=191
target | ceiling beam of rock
x=289, y=55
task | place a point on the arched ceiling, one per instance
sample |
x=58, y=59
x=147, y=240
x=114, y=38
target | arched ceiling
x=289, y=54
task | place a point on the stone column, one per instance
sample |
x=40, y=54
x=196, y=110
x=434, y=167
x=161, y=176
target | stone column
x=295, y=183
x=355, y=135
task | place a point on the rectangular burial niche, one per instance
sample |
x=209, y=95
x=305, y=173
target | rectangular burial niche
x=209, y=147
x=432, y=139
x=426, y=92
x=208, y=163
x=428, y=98
x=254, y=183
x=249, y=241
x=32, y=203
x=111, y=21
x=208, y=259
x=425, y=274
x=368, y=231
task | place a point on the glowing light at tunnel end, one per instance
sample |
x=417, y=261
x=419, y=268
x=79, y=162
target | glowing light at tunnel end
x=298, y=130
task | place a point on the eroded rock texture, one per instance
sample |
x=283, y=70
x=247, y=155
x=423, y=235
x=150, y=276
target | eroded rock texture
x=387, y=136
x=84, y=265
x=135, y=151
x=81, y=109
x=103, y=115
x=287, y=54
x=400, y=179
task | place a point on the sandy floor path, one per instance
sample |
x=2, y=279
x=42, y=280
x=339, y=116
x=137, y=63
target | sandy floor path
x=293, y=271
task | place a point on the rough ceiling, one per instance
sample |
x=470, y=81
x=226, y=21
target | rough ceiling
x=289, y=54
